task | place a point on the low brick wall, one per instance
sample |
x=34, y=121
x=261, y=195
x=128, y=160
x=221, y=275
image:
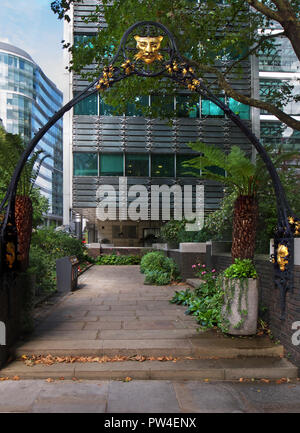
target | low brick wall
x=124, y=251
x=270, y=300
x=185, y=261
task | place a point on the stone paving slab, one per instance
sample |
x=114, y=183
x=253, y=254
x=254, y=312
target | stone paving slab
x=104, y=396
x=114, y=313
x=197, y=369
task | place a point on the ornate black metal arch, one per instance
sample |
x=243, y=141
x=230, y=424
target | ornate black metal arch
x=148, y=49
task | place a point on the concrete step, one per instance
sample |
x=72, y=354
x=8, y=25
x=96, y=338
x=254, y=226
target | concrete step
x=141, y=345
x=197, y=369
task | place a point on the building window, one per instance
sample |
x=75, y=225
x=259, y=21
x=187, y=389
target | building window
x=88, y=106
x=111, y=164
x=85, y=164
x=182, y=171
x=134, y=109
x=137, y=164
x=162, y=165
x=279, y=58
x=85, y=39
x=187, y=106
x=209, y=109
x=279, y=136
x=163, y=104
x=105, y=109
x=240, y=109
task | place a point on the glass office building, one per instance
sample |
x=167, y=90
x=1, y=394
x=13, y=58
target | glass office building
x=280, y=66
x=27, y=100
x=101, y=147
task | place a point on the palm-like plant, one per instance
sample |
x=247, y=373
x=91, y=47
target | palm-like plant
x=243, y=176
x=11, y=148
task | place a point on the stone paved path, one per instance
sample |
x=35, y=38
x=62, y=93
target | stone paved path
x=161, y=397
x=113, y=313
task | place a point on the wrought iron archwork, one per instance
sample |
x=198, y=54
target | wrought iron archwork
x=169, y=64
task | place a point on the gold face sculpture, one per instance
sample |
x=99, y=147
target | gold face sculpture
x=148, y=47
x=10, y=254
x=282, y=253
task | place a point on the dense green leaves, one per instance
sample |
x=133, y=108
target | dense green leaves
x=241, y=269
x=208, y=33
x=11, y=149
x=114, y=259
x=158, y=268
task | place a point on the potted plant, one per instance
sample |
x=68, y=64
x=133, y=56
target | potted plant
x=240, y=308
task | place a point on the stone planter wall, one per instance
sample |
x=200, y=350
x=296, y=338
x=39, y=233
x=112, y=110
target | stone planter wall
x=241, y=307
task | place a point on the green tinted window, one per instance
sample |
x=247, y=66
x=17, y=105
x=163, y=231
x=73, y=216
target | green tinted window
x=134, y=109
x=80, y=39
x=181, y=171
x=111, y=164
x=162, y=165
x=88, y=106
x=105, y=109
x=85, y=164
x=238, y=108
x=164, y=103
x=210, y=109
x=187, y=106
x=137, y=164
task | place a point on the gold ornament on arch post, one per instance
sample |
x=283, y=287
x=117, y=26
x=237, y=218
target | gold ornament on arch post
x=148, y=46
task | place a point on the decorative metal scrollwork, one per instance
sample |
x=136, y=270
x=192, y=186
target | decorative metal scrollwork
x=148, y=49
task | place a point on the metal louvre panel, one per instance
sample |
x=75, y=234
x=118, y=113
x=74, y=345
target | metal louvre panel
x=123, y=134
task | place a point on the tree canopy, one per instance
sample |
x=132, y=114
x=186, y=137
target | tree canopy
x=215, y=36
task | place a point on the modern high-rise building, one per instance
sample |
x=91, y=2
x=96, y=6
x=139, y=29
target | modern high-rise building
x=28, y=98
x=280, y=66
x=100, y=148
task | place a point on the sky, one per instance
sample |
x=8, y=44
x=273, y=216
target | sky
x=32, y=26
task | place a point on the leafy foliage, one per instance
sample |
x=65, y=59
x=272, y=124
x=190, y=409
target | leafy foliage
x=209, y=36
x=114, y=259
x=174, y=232
x=46, y=247
x=204, y=303
x=238, y=170
x=158, y=268
x=241, y=269
x=11, y=149
x=219, y=223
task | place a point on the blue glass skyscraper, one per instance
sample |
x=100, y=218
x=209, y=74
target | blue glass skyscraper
x=28, y=98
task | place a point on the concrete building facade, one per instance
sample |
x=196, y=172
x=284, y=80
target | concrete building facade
x=100, y=148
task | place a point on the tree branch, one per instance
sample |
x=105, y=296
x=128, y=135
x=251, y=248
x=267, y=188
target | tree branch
x=232, y=93
x=265, y=10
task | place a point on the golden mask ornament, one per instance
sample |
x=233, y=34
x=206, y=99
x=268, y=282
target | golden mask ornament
x=282, y=253
x=148, y=48
x=10, y=254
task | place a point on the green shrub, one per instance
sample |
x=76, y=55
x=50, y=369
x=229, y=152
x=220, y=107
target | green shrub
x=204, y=303
x=157, y=278
x=175, y=232
x=46, y=247
x=158, y=268
x=241, y=269
x=114, y=259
